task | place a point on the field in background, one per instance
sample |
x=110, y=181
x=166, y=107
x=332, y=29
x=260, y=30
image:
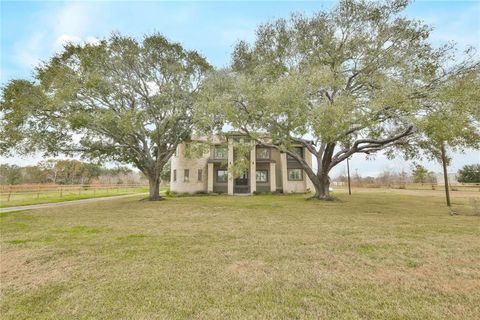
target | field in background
x=391, y=254
x=411, y=186
x=465, y=201
x=21, y=195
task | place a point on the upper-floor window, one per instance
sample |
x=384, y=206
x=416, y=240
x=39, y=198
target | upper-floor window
x=200, y=175
x=263, y=153
x=220, y=152
x=222, y=175
x=174, y=175
x=297, y=150
x=186, y=175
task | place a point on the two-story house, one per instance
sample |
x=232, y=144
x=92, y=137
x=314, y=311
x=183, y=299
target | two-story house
x=269, y=169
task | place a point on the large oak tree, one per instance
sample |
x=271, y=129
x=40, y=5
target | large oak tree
x=355, y=79
x=120, y=99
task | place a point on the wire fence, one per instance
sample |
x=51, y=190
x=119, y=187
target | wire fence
x=14, y=192
x=410, y=186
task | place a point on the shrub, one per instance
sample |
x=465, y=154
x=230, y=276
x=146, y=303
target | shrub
x=469, y=174
x=170, y=193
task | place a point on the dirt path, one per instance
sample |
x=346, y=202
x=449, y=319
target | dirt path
x=65, y=203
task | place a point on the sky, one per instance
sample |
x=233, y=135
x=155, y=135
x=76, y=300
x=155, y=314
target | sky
x=32, y=31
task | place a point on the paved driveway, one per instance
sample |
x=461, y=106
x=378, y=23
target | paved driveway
x=65, y=203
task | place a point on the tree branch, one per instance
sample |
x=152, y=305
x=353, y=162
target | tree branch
x=369, y=145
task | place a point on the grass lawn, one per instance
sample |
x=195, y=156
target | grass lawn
x=372, y=255
x=28, y=198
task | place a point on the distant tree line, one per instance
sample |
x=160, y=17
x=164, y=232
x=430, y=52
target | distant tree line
x=469, y=174
x=67, y=172
x=387, y=178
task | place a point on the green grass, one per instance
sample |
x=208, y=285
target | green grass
x=29, y=198
x=371, y=255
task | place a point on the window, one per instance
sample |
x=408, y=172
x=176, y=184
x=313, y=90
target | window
x=297, y=150
x=222, y=175
x=186, y=175
x=174, y=175
x=220, y=152
x=262, y=175
x=263, y=153
x=295, y=174
x=200, y=175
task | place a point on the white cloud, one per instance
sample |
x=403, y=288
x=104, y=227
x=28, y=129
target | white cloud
x=28, y=53
x=70, y=23
x=92, y=40
x=74, y=18
x=65, y=39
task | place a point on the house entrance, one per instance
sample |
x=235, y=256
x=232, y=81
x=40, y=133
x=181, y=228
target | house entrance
x=241, y=183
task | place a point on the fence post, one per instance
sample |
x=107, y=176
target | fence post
x=61, y=192
x=38, y=194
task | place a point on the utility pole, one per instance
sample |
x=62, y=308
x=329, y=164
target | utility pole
x=445, y=174
x=348, y=178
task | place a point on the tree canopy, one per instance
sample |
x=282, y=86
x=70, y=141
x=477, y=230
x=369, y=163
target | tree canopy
x=453, y=115
x=357, y=79
x=67, y=171
x=120, y=99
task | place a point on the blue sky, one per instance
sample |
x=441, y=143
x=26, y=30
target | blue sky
x=34, y=30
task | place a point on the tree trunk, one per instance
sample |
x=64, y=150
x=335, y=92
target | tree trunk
x=154, y=191
x=322, y=187
x=320, y=179
x=445, y=174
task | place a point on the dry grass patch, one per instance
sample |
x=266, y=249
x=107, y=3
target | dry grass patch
x=28, y=269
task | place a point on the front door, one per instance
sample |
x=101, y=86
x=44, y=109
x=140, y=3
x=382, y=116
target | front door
x=242, y=180
x=241, y=183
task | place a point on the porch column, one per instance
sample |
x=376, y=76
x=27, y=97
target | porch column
x=273, y=177
x=230, y=163
x=210, y=177
x=283, y=164
x=253, y=169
